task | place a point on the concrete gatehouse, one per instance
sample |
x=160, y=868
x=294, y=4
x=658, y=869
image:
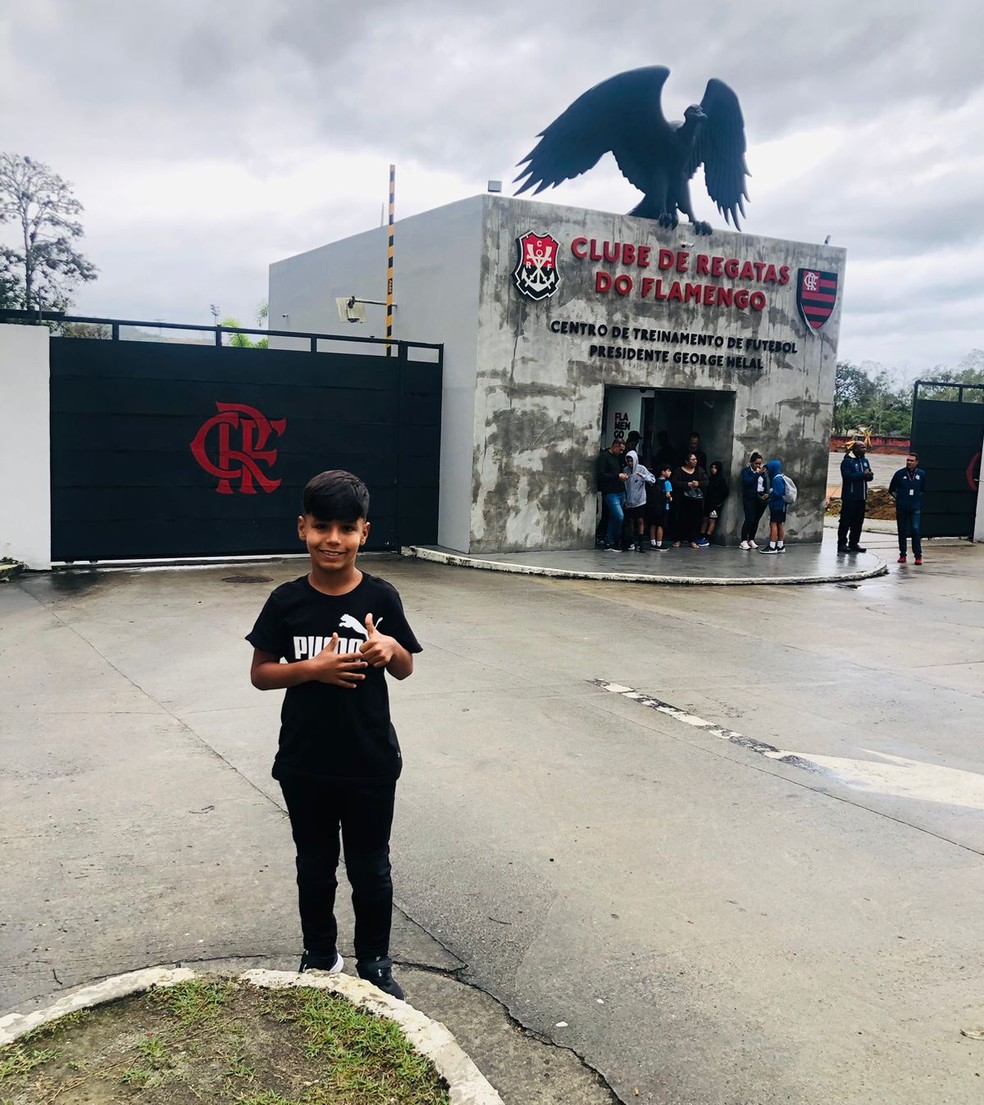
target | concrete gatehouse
x=565, y=327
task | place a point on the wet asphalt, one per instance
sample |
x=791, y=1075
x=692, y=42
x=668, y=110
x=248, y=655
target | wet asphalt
x=764, y=888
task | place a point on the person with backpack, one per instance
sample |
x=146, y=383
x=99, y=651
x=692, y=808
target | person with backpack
x=782, y=493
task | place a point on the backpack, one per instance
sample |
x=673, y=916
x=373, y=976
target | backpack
x=789, y=491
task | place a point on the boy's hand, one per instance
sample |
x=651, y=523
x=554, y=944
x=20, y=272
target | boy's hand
x=339, y=670
x=378, y=649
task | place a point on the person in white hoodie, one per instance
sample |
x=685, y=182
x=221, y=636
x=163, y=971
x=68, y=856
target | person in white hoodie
x=635, y=497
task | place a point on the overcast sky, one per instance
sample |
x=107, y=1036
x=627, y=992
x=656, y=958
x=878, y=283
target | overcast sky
x=207, y=138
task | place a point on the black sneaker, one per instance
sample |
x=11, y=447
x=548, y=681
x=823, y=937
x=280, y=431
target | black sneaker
x=312, y=961
x=856, y=548
x=379, y=972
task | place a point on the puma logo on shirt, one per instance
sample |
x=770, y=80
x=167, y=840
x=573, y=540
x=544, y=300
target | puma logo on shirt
x=307, y=647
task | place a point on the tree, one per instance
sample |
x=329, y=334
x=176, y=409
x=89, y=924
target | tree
x=970, y=370
x=870, y=401
x=243, y=341
x=42, y=270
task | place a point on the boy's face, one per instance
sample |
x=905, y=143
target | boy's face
x=666, y=472
x=332, y=545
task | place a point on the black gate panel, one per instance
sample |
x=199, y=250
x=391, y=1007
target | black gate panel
x=947, y=434
x=176, y=450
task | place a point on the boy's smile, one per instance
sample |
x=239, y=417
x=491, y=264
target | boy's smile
x=332, y=545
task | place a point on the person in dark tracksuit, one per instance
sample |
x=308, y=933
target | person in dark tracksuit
x=906, y=488
x=754, y=498
x=856, y=474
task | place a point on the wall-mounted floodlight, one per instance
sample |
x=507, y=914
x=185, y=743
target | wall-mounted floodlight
x=495, y=185
x=350, y=309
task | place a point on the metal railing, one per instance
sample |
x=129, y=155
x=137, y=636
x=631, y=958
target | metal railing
x=43, y=318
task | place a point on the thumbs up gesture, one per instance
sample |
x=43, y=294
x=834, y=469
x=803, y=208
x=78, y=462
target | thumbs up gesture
x=378, y=649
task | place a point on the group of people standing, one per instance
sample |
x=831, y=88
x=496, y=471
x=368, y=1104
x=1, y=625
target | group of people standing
x=677, y=502
x=906, y=488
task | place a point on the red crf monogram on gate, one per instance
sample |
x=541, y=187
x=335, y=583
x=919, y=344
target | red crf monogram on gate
x=238, y=460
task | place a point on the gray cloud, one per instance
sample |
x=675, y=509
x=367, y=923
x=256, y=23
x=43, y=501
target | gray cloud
x=294, y=103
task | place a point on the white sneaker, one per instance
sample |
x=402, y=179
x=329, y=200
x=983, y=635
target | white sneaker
x=744, y=545
x=752, y=545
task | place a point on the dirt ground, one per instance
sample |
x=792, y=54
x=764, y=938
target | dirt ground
x=880, y=503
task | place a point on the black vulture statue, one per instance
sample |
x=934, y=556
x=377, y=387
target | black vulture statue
x=623, y=114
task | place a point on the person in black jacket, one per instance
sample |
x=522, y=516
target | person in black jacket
x=906, y=488
x=717, y=492
x=856, y=474
x=610, y=480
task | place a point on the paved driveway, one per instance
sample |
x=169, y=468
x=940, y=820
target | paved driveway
x=769, y=892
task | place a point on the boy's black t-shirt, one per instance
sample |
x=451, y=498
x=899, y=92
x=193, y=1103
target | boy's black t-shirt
x=329, y=732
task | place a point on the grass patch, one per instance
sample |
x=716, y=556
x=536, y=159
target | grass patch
x=220, y=1042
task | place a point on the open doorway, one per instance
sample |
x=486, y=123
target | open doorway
x=675, y=412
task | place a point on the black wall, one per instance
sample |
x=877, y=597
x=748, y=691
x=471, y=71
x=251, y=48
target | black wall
x=947, y=437
x=125, y=480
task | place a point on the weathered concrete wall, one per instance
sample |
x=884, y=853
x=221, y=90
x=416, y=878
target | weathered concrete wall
x=25, y=450
x=525, y=379
x=436, y=289
x=540, y=391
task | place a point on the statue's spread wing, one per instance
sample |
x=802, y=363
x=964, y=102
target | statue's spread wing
x=720, y=146
x=622, y=114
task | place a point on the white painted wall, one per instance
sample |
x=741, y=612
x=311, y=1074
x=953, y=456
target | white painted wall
x=436, y=288
x=25, y=446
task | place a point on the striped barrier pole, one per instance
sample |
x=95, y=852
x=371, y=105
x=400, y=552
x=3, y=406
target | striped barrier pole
x=389, y=262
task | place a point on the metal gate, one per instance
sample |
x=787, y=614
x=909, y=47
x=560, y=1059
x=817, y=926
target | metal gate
x=163, y=450
x=947, y=429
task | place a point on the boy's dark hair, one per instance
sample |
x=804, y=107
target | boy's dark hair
x=336, y=496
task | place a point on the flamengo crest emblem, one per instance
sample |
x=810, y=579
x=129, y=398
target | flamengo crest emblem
x=232, y=461
x=816, y=294
x=536, y=273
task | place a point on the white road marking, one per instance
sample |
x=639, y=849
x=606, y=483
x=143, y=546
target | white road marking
x=899, y=777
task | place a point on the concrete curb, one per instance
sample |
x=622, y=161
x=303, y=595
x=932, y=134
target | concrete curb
x=15, y=1025
x=460, y=560
x=467, y=1085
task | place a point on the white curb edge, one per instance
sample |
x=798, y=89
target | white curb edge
x=467, y=1085
x=459, y=560
x=15, y=1025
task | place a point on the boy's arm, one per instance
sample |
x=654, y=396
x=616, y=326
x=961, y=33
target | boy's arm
x=386, y=652
x=266, y=673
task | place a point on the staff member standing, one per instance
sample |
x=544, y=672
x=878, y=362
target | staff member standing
x=906, y=488
x=856, y=474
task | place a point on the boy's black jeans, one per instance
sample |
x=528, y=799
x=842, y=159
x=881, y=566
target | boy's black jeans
x=364, y=814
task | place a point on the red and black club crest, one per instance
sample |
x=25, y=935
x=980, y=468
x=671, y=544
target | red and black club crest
x=536, y=274
x=816, y=294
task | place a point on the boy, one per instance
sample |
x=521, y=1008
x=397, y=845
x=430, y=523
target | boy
x=662, y=502
x=635, y=497
x=777, y=508
x=338, y=758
